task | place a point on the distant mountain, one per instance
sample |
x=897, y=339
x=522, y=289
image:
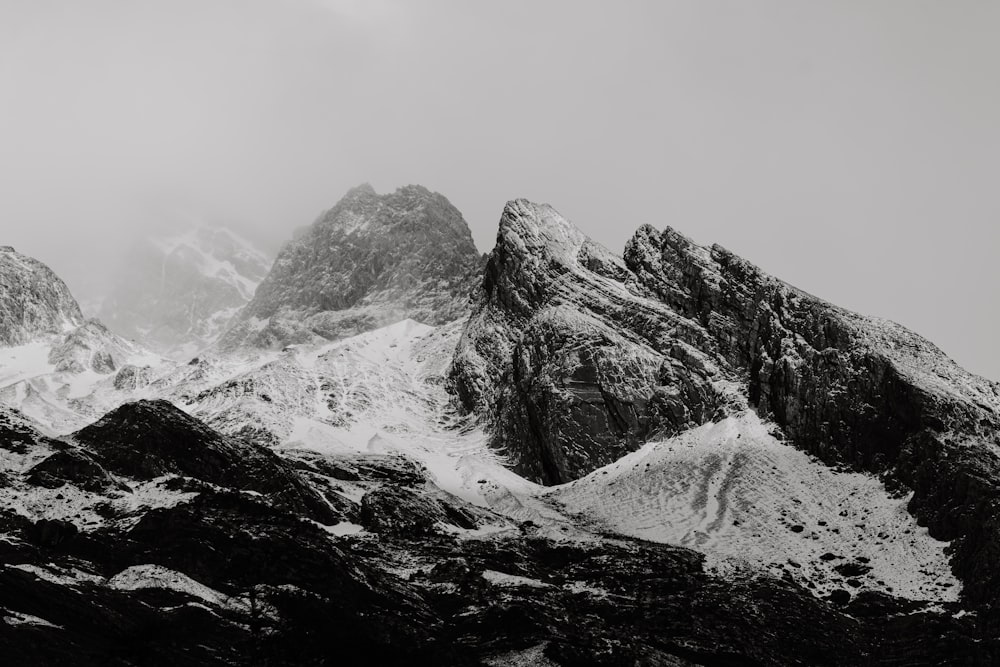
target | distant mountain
x=369, y=261
x=177, y=294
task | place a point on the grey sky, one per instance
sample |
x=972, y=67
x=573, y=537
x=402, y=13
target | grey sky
x=851, y=148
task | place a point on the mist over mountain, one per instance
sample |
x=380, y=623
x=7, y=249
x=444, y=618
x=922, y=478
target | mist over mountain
x=176, y=294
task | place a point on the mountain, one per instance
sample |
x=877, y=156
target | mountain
x=575, y=358
x=56, y=366
x=369, y=261
x=33, y=300
x=177, y=294
x=668, y=458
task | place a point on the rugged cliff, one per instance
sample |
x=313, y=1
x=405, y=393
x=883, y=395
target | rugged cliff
x=575, y=357
x=33, y=300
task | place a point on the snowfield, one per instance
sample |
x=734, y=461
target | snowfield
x=736, y=493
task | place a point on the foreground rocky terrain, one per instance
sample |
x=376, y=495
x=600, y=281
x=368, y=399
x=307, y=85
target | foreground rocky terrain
x=176, y=545
x=669, y=458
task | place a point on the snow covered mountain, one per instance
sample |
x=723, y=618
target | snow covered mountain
x=177, y=294
x=666, y=459
x=56, y=366
x=369, y=261
x=576, y=358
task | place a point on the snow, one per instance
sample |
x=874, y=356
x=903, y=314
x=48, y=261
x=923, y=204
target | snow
x=529, y=657
x=375, y=393
x=139, y=577
x=64, y=401
x=24, y=362
x=85, y=509
x=503, y=579
x=59, y=575
x=730, y=490
x=20, y=618
x=343, y=529
x=734, y=492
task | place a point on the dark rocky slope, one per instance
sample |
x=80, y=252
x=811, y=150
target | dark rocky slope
x=369, y=261
x=227, y=577
x=149, y=439
x=575, y=357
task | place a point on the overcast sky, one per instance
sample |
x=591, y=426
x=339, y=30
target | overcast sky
x=850, y=148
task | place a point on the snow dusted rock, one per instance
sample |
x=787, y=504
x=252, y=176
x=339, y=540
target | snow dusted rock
x=573, y=368
x=55, y=366
x=575, y=357
x=33, y=300
x=177, y=294
x=369, y=261
x=93, y=347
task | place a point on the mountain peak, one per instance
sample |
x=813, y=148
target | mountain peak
x=369, y=261
x=538, y=229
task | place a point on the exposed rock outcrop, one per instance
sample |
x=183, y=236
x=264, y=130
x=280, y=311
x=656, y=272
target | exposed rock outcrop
x=148, y=439
x=572, y=367
x=33, y=300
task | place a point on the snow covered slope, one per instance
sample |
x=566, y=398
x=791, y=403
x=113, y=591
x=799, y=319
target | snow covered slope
x=729, y=489
x=746, y=499
x=379, y=392
x=55, y=366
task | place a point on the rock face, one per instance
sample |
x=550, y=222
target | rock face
x=572, y=367
x=177, y=294
x=148, y=439
x=574, y=357
x=369, y=261
x=33, y=300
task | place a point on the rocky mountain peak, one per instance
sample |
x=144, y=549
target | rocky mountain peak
x=574, y=358
x=368, y=261
x=33, y=300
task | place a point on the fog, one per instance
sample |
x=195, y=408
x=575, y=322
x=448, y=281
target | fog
x=849, y=147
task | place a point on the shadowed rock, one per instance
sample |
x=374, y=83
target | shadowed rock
x=148, y=439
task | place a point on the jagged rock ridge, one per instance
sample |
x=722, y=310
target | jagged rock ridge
x=369, y=261
x=575, y=357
